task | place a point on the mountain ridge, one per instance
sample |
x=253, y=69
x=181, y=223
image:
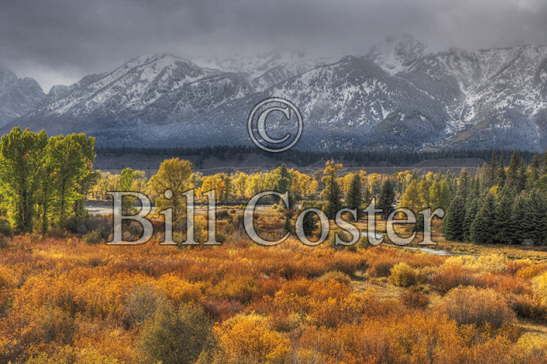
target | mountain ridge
x=399, y=95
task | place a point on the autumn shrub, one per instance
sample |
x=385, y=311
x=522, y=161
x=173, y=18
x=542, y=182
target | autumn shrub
x=502, y=283
x=470, y=305
x=403, y=275
x=407, y=338
x=141, y=304
x=5, y=227
x=335, y=311
x=3, y=241
x=93, y=237
x=8, y=277
x=494, y=263
x=539, y=284
x=531, y=270
x=40, y=290
x=529, y=307
x=348, y=262
x=70, y=355
x=250, y=339
x=413, y=298
x=175, y=336
x=450, y=276
x=50, y=324
x=381, y=267
x=335, y=276
x=178, y=289
x=220, y=308
x=531, y=346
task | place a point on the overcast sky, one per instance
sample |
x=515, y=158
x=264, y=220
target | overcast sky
x=59, y=41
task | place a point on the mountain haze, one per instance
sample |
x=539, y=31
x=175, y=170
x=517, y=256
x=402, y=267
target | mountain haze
x=399, y=95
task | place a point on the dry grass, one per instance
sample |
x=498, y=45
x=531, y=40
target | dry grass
x=63, y=300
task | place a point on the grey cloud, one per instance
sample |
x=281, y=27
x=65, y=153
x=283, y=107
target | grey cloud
x=61, y=40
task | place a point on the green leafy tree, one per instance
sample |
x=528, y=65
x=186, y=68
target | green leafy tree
x=71, y=159
x=21, y=155
x=176, y=175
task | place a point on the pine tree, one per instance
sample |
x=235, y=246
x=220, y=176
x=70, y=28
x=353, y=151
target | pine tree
x=483, y=228
x=500, y=173
x=522, y=179
x=513, y=171
x=520, y=224
x=387, y=198
x=537, y=218
x=445, y=195
x=353, y=197
x=534, y=172
x=504, y=233
x=454, y=219
x=284, y=179
x=491, y=171
x=471, y=210
x=331, y=193
x=463, y=185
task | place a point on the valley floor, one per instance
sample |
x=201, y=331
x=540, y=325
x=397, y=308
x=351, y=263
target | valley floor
x=66, y=301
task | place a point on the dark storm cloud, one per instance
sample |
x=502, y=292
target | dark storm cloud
x=60, y=40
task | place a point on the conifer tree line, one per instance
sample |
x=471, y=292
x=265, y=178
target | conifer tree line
x=44, y=180
x=500, y=204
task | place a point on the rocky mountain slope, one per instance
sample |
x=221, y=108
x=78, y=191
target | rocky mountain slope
x=398, y=95
x=18, y=96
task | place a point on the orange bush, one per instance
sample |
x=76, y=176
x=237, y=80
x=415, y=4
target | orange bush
x=250, y=339
x=470, y=305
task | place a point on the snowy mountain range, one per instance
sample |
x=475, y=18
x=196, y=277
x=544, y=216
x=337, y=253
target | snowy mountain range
x=398, y=95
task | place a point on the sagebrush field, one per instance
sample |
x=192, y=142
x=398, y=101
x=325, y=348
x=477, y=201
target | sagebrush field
x=66, y=301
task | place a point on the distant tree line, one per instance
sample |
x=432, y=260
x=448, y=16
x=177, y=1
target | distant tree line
x=306, y=158
x=44, y=180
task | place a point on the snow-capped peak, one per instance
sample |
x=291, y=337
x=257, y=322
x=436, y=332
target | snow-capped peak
x=396, y=54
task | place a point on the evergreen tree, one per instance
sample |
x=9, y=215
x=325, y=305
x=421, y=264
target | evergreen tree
x=534, y=172
x=513, y=171
x=483, y=228
x=284, y=180
x=387, y=198
x=353, y=197
x=537, y=218
x=471, y=210
x=519, y=218
x=445, y=195
x=500, y=173
x=463, y=185
x=331, y=193
x=491, y=171
x=505, y=232
x=454, y=219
